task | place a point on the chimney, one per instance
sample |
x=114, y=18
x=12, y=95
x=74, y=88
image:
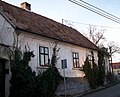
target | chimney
x=26, y=6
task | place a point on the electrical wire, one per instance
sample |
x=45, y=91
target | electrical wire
x=99, y=9
x=96, y=10
x=91, y=24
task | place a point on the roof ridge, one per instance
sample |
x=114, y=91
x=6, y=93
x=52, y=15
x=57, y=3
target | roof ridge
x=35, y=13
x=33, y=22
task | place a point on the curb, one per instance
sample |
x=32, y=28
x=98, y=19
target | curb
x=95, y=90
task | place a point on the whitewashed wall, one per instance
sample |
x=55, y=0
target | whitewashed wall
x=6, y=32
x=34, y=41
x=6, y=38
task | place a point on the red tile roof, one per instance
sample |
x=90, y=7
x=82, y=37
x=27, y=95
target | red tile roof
x=116, y=65
x=37, y=24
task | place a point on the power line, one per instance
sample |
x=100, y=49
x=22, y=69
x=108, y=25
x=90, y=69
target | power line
x=100, y=9
x=91, y=24
x=96, y=10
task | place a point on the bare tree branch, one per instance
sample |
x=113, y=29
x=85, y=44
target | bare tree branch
x=95, y=35
x=114, y=47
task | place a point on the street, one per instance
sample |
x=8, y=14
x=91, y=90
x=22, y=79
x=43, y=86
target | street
x=113, y=91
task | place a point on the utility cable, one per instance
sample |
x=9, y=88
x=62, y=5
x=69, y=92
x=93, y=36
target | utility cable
x=97, y=11
x=91, y=24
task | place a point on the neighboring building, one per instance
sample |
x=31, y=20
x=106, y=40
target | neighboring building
x=116, y=67
x=22, y=27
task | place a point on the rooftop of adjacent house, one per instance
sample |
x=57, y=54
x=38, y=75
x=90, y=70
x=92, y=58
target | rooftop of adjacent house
x=34, y=23
x=116, y=65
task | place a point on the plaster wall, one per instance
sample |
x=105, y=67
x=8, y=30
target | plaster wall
x=32, y=42
x=7, y=41
x=6, y=32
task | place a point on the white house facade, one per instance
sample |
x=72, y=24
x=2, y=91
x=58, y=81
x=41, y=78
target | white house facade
x=74, y=47
x=66, y=51
x=6, y=43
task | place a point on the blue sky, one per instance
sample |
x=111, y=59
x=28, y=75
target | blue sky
x=64, y=9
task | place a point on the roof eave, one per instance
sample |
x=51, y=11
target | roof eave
x=7, y=19
x=17, y=28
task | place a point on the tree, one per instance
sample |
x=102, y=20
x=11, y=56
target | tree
x=96, y=36
x=54, y=58
x=26, y=83
x=48, y=81
x=113, y=48
x=87, y=70
x=91, y=73
x=23, y=78
x=91, y=70
x=101, y=65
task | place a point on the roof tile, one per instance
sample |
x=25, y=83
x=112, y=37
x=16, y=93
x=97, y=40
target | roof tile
x=35, y=23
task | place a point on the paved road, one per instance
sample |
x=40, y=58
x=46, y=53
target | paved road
x=113, y=91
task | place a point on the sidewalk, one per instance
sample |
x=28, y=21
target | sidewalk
x=91, y=91
x=95, y=90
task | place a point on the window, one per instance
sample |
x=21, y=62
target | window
x=43, y=56
x=76, y=60
x=91, y=57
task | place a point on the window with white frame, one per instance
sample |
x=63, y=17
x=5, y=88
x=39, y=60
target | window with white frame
x=76, y=60
x=43, y=56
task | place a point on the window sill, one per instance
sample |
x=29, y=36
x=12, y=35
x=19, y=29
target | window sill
x=42, y=67
x=79, y=68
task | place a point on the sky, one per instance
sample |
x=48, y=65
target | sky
x=78, y=17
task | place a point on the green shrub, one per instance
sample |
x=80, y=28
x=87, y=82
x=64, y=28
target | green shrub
x=49, y=81
x=110, y=77
x=23, y=78
x=91, y=73
x=26, y=83
x=101, y=65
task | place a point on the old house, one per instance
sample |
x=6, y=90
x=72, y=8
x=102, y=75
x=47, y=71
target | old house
x=116, y=67
x=22, y=27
